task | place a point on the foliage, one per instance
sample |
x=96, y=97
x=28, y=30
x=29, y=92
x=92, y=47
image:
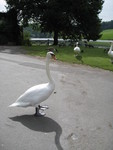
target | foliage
x=84, y=18
x=73, y=19
x=36, y=33
x=95, y=57
x=27, y=9
x=9, y=28
x=26, y=39
x=66, y=18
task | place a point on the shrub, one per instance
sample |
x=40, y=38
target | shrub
x=26, y=39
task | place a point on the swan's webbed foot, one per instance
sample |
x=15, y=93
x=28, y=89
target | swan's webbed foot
x=38, y=113
x=43, y=107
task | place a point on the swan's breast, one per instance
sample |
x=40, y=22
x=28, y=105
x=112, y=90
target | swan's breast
x=110, y=53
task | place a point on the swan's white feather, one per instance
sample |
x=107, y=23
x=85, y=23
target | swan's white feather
x=110, y=52
x=77, y=49
x=34, y=95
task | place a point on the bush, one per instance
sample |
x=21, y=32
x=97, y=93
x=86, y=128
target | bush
x=26, y=39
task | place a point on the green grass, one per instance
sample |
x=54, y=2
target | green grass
x=97, y=58
x=107, y=34
x=94, y=57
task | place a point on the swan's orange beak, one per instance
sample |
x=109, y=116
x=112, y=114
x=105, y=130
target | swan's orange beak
x=53, y=56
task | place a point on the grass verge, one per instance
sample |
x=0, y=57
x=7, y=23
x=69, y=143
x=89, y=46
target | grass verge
x=95, y=57
x=107, y=34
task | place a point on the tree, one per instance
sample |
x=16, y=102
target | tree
x=83, y=17
x=10, y=32
x=66, y=18
x=26, y=9
x=52, y=19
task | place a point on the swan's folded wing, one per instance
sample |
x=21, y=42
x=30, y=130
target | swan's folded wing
x=35, y=95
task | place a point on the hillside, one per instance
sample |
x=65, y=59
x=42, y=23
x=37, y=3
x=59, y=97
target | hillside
x=107, y=34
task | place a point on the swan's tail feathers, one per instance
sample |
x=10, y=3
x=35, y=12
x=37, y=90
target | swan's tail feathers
x=19, y=105
x=14, y=105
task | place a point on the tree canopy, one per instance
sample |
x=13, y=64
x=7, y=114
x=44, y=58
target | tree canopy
x=65, y=18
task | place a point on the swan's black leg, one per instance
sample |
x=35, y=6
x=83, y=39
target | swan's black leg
x=37, y=113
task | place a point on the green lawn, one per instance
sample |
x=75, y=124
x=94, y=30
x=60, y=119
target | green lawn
x=94, y=57
x=107, y=34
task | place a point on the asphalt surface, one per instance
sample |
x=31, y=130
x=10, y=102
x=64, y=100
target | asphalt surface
x=80, y=114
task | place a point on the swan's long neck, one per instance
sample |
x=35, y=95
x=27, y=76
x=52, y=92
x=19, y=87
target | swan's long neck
x=111, y=47
x=51, y=81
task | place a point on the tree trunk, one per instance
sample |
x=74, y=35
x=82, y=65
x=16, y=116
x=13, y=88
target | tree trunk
x=55, y=38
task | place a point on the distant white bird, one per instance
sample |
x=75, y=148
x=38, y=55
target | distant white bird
x=77, y=52
x=39, y=93
x=110, y=52
x=76, y=49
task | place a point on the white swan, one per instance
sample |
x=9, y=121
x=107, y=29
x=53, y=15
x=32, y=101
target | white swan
x=77, y=49
x=37, y=94
x=110, y=52
x=77, y=52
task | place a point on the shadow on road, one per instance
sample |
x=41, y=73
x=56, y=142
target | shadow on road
x=41, y=124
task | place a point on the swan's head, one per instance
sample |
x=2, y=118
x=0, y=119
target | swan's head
x=52, y=49
x=77, y=43
x=51, y=55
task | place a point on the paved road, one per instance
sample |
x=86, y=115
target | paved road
x=80, y=114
